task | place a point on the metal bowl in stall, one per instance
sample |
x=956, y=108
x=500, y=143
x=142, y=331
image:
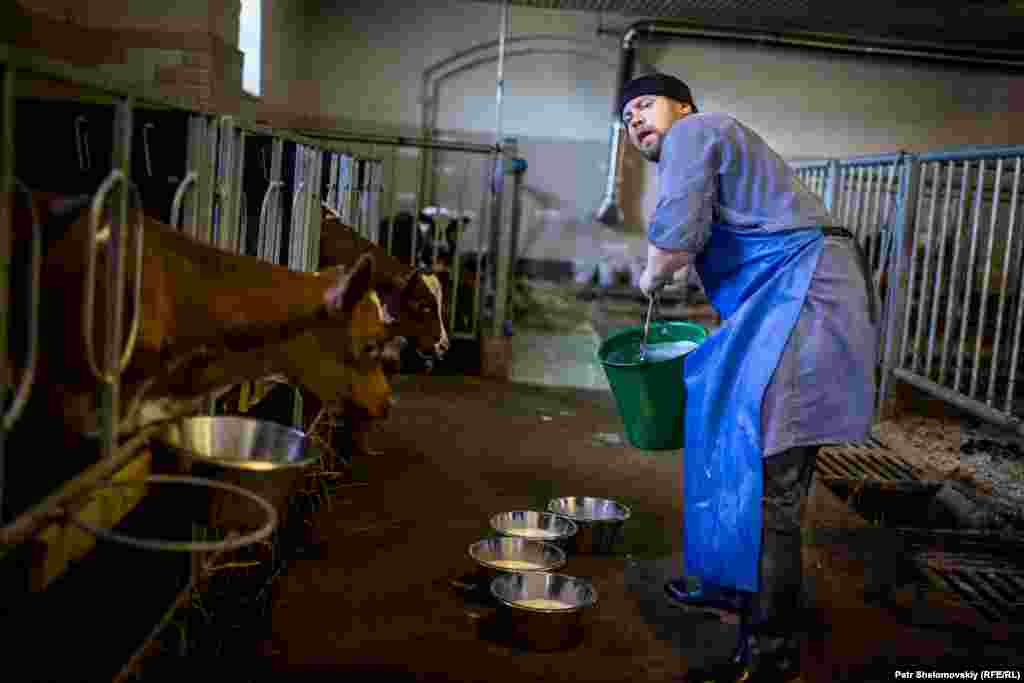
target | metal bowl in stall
x=544, y=611
x=503, y=554
x=600, y=521
x=241, y=443
x=537, y=526
x=263, y=457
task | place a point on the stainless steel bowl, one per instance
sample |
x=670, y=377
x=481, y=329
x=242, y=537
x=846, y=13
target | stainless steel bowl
x=240, y=443
x=532, y=616
x=536, y=526
x=263, y=457
x=490, y=554
x=600, y=521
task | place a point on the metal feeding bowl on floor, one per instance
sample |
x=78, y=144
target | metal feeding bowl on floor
x=241, y=443
x=502, y=554
x=600, y=521
x=537, y=526
x=544, y=611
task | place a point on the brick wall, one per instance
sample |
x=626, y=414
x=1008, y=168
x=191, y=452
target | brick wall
x=183, y=53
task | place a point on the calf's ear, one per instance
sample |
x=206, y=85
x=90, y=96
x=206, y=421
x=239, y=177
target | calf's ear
x=352, y=283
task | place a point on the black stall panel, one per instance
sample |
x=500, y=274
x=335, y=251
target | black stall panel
x=63, y=147
x=159, y=158
x=255, y=182
x=288, y=191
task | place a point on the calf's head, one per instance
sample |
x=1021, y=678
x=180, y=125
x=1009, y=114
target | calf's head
x=420, y=318
x=342, y=362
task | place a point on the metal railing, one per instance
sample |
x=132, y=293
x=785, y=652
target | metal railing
x=942, y=233
x=382, y=198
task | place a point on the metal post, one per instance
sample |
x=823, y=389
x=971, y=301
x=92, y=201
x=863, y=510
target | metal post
x=456, y=274
x=832, y=186
x=896, y=297
x=238, y=208
x=518, y=169
x=227, y=232
x=208, y=183
x=274, y=216
x=6, y=211
x=116, y=247
x=196, y=163
x=498, y=184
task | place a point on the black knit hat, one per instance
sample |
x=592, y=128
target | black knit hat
x=655, y=84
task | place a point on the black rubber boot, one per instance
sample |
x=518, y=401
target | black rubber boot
x=708, y=596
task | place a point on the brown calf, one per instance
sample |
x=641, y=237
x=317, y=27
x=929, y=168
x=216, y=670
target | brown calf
x=249, y=318
x=411, y=296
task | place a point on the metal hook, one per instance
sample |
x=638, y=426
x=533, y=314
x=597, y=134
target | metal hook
x=190, y=178
x=110, y=374
x=145, y=148
x=265, y=164
x=24, y=389
x=264, y=237
x=82, y=144
x=133, y=330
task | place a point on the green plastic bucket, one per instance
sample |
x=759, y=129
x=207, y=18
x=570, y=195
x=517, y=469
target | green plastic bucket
x=651, y=396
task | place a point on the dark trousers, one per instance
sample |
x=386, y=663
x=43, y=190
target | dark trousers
x=787, y=477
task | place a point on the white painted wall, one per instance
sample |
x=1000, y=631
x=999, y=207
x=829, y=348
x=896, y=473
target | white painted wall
x=369, y=59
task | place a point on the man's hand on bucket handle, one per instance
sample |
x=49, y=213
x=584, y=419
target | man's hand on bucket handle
x=664, y=267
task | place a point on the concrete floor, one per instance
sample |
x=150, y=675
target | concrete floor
x=557, y=360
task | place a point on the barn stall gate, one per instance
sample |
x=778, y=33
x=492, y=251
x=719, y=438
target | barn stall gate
x=431, y=203
x=242, y=187
x=941, y=232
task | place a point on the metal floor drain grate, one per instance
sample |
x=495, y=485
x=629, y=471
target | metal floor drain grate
x=867, y=460
x=992, y=585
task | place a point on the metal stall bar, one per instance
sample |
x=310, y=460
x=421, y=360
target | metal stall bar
x=961, y=212
x=1002, y=302
x=973, y=387
x=896, y=296
x=832, y=188
x=934, y=322
x=996, y=194
x=116, y=244
x=297, y=228
x=313, y=245
x=6, y=221
x=879, y=247
x=972, y=253
x=376, y=196
x=207, y=187
x=456, y=274
x=195, y=170
x=922, y=302
x=915, y=228
x=485, y=210
x=273, y=224
x=236, y=201
x=813, y=174
x=332, y=181
x=392, y=188
x=392, y=192
x=228, y=178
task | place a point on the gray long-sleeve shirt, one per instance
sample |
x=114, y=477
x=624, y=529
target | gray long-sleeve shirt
x=715, y=170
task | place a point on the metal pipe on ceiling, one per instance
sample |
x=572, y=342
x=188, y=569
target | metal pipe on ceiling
x=610, y=213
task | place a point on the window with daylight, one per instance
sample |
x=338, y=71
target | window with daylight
x=249, y=42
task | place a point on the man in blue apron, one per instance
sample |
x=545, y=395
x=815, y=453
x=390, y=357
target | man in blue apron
x=790, y=369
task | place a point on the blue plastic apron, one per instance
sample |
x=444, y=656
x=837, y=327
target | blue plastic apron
x=757, y=282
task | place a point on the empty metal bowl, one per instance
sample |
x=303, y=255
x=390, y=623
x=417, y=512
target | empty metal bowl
x=600, y=521
x=240, y=442
x=503, y=554
x=537, y=526
x=544, y=611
